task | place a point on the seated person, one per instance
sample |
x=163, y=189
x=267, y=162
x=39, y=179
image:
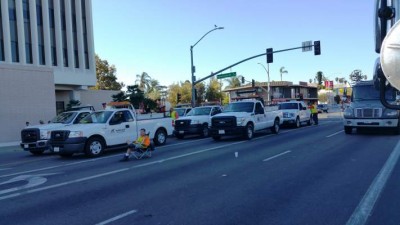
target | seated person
x=142, y=142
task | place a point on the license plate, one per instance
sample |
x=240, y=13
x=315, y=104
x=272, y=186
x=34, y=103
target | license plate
x=181, y=131
x=56, y=149
x=26, y=146
x=221, y=131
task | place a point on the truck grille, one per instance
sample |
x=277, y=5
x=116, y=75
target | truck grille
x=30, y=135
x=59, y=135
x=226, y=121
x=182, y=123
x=368, y=112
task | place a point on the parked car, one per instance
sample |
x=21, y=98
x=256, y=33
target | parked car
x=322, y=108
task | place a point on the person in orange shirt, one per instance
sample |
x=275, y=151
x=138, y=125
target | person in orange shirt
x=142, y=142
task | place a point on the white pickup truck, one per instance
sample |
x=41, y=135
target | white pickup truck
x=244, y=118
x=107, y=129
x=35, y=138
x=295, y=113
x=196, y=121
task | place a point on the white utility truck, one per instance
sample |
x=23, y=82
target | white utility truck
x=35, y=138
x=107, y=129
x=244, y=118
x=295, y=113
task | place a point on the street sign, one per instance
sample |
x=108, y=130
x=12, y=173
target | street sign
x=225, y=75
x=306, y=46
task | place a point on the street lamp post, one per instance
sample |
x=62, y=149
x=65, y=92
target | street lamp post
x=268, y=88
x=193, y=69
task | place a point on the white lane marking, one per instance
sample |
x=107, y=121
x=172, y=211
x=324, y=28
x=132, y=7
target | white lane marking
x=364, y=208
x=112, y=172
x=4, y=169
x=273, y=157
x=334, y=134
x=117, y=217
x=81, y=162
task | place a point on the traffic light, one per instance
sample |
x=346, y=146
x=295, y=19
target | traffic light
x=243, y=80
x=178, y=97
x=317, y=48
x=253, y=83
x=270, y=57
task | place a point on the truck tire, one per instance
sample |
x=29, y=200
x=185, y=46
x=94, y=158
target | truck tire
x=160, y=138
x=348, y=130
x=36, y=152
x=216, y=138
x=249, y=131
x=297, y=124
x=204, y=132
x=275, y=127
x=94, y=147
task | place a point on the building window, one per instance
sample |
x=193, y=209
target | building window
x=1, y=38
x=75, y=34
x=64, y=33
x=85, y=41
x=27, y=31
x=39, y=18
x=13, y=30
x=52, y=34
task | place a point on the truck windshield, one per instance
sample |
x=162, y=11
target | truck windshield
x=200, y=111
x=97, y=117
x=240, y=107
x=180, y=111
x=288, y=106
x=65, y=117
x=368, y=92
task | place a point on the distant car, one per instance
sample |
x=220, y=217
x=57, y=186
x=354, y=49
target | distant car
x=322, y=108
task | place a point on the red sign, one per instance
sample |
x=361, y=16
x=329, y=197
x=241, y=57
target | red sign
x=329, y=84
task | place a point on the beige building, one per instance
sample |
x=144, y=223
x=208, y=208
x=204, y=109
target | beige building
x=46, y=60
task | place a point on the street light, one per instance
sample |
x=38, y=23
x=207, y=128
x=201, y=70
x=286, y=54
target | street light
x=267, y=70
x=192, y=68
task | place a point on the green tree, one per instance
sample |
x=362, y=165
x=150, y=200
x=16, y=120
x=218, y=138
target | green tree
x=320, y=77
x=120, y=97
x=106, y=78
x=233, y=82
x=201, y=91
x=73, y=103
x=135, y=95
x=282, y=71
x=357, y=75
x=143, y=81
x=153, y=92
x=213, y=92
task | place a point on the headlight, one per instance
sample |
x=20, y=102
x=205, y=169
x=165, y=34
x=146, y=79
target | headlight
x=75, y=134
x=390, y=113
x=240, y=121
x=44, y=134
x=194, y=121
x=348, y=112
x=292, y=115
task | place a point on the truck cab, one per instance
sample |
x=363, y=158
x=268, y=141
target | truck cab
x=367, y=111
x=295, y=113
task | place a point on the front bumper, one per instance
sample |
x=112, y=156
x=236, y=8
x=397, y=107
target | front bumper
x=70, y=145
x=192, y=129
x=370, y=122
x=225, y=131
x=39, y=145
x=289, y=121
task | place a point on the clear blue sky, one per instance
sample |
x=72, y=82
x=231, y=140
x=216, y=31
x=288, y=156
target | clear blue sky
x=155, y=37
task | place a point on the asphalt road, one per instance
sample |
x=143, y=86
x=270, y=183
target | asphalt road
x=311, y=175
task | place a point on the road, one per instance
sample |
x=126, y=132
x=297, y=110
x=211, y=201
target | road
x=311, y=175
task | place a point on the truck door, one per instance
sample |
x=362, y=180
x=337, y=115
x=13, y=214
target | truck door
x=121, y=128
x=260, y=117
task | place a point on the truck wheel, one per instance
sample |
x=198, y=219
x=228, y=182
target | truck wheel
x=216, y=138
x=36, y=152
x=160, y=138
x=348, y=130
x=249, y=132
x=94, y=147
x=204, y=132
x=297, y=124
x=275, y=128
x=180, y=136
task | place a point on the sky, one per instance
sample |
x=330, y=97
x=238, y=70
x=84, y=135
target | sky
x=155, y=37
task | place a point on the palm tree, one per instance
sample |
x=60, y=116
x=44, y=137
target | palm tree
x=282, y=71
x=143, y=80
x=233, y=82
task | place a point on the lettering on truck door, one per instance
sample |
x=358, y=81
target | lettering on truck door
x=119, y=128
x=260, y=117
